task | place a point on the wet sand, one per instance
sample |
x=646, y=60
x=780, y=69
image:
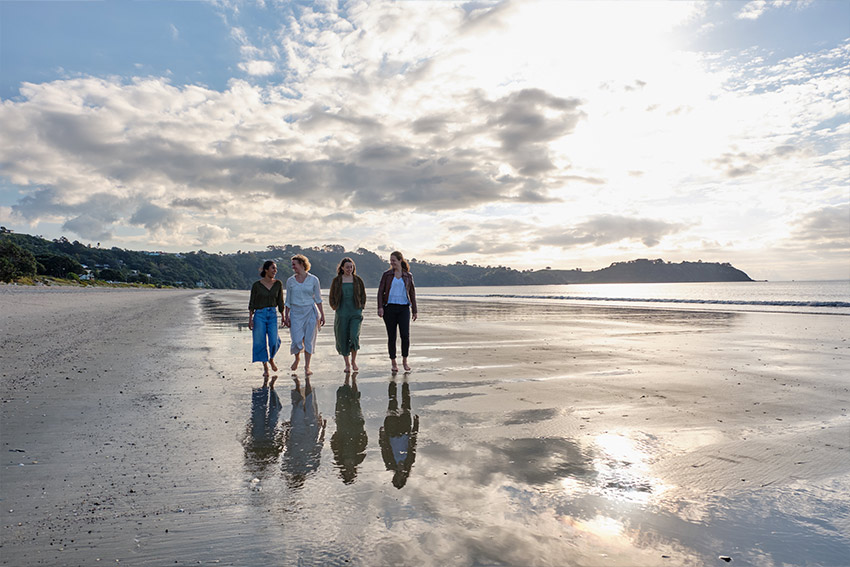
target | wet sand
x=134, y=430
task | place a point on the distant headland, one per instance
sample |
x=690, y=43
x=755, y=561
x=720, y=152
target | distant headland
x=24, y=257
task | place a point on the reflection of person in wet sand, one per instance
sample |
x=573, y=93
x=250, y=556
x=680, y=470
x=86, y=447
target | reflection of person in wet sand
x=349, y=441
x=304, y=435
x=263, y=443
x=398, y=435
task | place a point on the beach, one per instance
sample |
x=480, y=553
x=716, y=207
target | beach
x=136, y=431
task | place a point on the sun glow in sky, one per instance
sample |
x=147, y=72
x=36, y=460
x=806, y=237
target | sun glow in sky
x=526, y=134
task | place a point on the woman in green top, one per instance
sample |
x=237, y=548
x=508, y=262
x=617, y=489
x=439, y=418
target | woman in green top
x=266, y=297
x=347, y=297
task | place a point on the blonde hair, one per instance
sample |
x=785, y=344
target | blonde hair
x=342, y=263
x=303, y=259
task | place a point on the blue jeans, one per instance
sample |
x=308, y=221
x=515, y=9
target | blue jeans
x=266, y=340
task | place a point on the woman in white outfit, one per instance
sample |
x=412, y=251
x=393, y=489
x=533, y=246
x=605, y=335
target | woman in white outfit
x=303, y=296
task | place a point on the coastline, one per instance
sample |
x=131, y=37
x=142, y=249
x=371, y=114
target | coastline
x=638, y=435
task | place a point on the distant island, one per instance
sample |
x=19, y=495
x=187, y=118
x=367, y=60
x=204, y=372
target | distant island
x=25, y=256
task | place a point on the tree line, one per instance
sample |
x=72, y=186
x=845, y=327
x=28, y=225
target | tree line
x=23, y=255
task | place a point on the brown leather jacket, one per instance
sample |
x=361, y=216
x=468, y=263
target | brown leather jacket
x=335, y=294
x=387, y=282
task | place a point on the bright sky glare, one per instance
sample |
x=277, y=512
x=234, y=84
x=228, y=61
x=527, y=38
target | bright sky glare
x=526, y=134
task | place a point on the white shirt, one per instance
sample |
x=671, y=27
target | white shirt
x=398, y=294
x=303, y=294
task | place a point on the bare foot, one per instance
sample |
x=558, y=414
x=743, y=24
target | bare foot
x=405, y=365
x=273, y=365
x=347, y=369
x=265, y=370
x=307, y=371
x=354, y=366
x=395, y=366
x=295, y=364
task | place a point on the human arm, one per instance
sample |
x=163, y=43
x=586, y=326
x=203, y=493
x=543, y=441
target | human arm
x=251, y=306
x=287, y=302
x=361, y=290
x=381, y=296
x=317, y=297
x=411, y=295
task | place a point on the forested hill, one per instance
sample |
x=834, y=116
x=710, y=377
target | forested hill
x=61, y=257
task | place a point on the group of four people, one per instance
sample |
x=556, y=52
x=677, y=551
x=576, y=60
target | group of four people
x=303, y=314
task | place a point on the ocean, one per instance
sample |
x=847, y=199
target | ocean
x=827, y=297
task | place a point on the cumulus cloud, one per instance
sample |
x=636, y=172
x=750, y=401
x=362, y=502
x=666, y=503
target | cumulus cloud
x=154, y=217
x=428, y=112
x=826, y=227
x=257, y=67
x=607, y=229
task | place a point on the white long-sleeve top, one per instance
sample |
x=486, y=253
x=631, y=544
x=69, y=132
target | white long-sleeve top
x=303, y=294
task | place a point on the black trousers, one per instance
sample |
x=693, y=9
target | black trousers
x=397, y=317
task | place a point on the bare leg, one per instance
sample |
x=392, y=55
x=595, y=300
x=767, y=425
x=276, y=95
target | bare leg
x=266, y=369
x=395, y=366
x=347, y=365
x=353, y=361
x=307, y=357
x=273, y=365
x=405, y=364
x=297, y=360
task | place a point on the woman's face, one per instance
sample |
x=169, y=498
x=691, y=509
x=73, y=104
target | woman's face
x=396, y=265
x=348, y=268
x=297, y=266
x=271, y=271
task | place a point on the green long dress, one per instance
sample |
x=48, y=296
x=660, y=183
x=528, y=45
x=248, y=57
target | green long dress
x=347, y=322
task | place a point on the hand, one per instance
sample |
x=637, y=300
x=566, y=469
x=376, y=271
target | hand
x=322, y=321
x=380, y=311
x=414, y=316
x=250, y=324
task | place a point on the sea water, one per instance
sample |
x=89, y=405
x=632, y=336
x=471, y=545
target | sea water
x=829, y=297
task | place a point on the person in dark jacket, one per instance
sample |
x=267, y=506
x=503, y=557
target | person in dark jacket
x=396, y=304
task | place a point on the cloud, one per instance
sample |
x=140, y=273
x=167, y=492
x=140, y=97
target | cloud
x=740, y=164
x=754, y=9
x=826, y=227
x=608, y=229
x=154, y=218
x=209, y=234
x=257, y=67
x=88, y=227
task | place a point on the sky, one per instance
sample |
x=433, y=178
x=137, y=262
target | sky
x=569, y=134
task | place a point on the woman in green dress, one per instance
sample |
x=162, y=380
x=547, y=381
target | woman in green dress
x=347, y=298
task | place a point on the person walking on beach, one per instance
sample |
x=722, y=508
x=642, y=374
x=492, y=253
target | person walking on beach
x=396, y=303
x=303, y=297
x=347, y=297
x=266, y=297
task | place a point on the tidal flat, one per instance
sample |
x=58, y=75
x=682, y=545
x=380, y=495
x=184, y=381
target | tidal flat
x=135, y=430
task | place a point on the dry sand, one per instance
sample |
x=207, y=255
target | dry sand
x=550, y=435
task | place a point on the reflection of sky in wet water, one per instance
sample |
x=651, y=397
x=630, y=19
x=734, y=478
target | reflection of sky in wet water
x=479, y=493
